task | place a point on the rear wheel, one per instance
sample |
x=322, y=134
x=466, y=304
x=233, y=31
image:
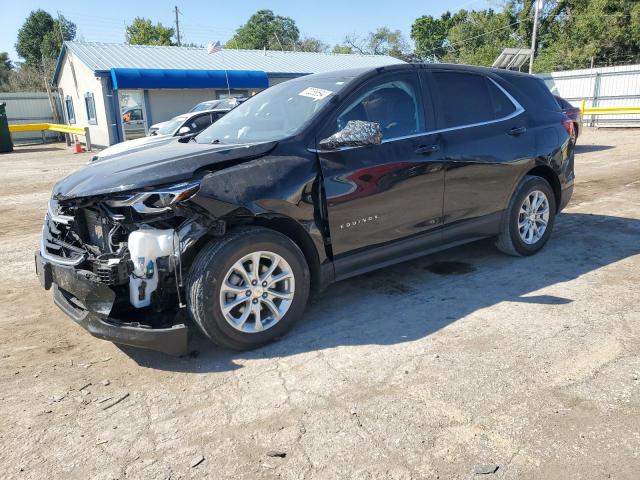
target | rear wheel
x=529, y=219
x=248, y=288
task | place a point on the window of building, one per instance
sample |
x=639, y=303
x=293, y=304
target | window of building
x=90, y=105
x=71, y=114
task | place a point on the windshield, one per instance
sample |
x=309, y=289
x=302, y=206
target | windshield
x=170, y=125
x=275, y=113
x=205, y=106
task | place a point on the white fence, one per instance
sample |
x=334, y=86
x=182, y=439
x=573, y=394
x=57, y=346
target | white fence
x=29, y=107
x=600, y=87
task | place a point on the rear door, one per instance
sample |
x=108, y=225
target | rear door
x=382, y=193
x=486, y=142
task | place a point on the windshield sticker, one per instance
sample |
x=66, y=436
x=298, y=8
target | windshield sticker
x=315, y=93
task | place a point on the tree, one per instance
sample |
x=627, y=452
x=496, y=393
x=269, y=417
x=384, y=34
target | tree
x=381, y=42
x=40, y=37
x=579, y=31
x=341, y=49
x=480, y=36
x=310, y=44
x=28, y=78
x=143, y=32
x=431, y=34
x=571, y=33
x=263, y=30
x=5, y=67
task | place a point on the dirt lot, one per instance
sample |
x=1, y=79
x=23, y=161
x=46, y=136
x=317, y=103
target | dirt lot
x=531, y=365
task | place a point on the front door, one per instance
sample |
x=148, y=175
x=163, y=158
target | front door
x=379, y=194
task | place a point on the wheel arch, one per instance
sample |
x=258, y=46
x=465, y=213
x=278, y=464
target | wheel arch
x=550, y=176
x=298, y=235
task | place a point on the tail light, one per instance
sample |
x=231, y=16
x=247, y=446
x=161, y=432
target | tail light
x=567, y=123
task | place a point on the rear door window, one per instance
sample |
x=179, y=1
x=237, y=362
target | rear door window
x=462, y=99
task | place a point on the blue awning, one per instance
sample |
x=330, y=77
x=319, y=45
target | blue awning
x=150, y=78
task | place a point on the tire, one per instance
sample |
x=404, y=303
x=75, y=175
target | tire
x=510, y=240
x=214, y=268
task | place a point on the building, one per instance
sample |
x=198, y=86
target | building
x=101, y=84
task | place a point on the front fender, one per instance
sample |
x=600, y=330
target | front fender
x=282, y=186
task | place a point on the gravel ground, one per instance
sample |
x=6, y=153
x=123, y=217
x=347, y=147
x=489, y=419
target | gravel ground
x=429, y=369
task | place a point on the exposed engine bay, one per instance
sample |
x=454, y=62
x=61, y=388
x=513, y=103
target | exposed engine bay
x=133, y=243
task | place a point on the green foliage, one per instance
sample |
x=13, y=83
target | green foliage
x=607, y=31
x=40, y=37
x=143, y=32
x=341, y=49
x=264, y=29
x=479, y=37
x=570, y=34
x=430, y=34
x=310, y=44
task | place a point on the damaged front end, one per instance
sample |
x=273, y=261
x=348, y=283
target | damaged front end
x=116, y=262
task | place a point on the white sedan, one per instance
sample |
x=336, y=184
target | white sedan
x=179, y=126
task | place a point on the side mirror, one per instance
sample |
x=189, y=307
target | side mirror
x=184, y=130
x=357, y=133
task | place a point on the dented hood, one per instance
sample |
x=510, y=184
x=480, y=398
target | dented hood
x=148, y=167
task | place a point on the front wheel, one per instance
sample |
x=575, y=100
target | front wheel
x=248, y=288
x=528, y=221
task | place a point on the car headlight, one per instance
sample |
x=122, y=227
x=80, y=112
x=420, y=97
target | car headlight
x=156, y=201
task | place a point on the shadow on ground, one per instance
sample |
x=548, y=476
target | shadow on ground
x=17, y=149
x=409, y=301
x=592, y=148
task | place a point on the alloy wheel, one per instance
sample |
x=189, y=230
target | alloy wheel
x=533, y=217
x=257, y=291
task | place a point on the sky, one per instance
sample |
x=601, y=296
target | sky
x=205, y=21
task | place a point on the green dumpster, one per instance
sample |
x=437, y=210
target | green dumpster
x=6, y=145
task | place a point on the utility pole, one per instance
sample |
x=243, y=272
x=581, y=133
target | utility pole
x=177, y=27
x=536, y=11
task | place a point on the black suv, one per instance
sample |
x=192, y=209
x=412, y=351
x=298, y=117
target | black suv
x=310, y=181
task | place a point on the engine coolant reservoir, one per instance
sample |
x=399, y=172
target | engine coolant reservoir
x=145, y=246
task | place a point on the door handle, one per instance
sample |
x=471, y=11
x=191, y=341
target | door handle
x=427, y=149
x=515, y=131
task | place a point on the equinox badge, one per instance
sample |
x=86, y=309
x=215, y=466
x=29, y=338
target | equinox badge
x=358, y=221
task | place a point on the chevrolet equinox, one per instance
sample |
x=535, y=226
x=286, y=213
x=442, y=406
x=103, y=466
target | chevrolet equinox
x=311, y=181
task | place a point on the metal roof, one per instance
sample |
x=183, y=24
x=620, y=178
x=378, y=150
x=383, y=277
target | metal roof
x=105, y=56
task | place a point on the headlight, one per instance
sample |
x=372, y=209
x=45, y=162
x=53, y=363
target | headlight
x=156, y=201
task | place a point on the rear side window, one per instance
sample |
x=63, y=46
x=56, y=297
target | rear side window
x=463, y=99
x=502, y=106
x=535, y=88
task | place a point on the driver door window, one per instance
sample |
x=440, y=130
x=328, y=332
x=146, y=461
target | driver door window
x=394, y=105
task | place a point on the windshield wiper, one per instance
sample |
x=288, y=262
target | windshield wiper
x=216, y=141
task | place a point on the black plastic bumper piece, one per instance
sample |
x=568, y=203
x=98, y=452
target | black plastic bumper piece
x=97, y=300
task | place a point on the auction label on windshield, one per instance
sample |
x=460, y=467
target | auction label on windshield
x=315, y=93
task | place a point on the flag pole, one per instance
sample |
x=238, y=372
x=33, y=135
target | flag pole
x=215, y=48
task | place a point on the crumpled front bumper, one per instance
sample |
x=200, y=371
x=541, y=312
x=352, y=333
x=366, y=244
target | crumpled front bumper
x=89, y=304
